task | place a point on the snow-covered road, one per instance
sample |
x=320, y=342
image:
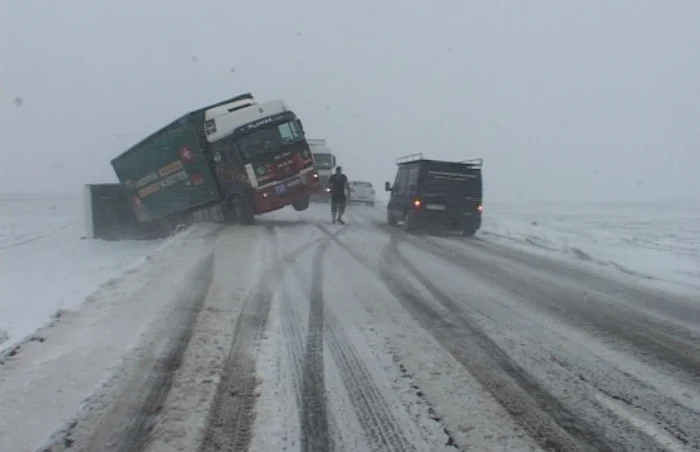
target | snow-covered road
x=299, y=335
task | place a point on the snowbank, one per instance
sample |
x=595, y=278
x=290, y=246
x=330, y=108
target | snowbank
x=85, y=357
x=46, y=267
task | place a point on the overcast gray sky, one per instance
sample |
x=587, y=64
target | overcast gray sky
x=563, y=99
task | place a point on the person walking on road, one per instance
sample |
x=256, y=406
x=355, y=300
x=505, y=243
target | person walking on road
x=340, y=192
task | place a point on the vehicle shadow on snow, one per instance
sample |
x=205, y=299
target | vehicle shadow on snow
x=436, y=232
x=284, y=223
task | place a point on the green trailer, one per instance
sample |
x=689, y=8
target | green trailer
x=168, y=172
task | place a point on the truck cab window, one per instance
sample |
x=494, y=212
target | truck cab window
x=266, y=140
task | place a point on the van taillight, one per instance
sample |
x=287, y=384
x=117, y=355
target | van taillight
x=417, y=203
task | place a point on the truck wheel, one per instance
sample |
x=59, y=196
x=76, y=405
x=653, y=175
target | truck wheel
x=301, y=204
x=244, y=211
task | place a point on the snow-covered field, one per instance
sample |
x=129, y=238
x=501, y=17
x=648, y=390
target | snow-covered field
x=656, y=241
x=361, y=336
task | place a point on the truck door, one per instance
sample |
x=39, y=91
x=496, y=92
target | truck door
x=229, y=168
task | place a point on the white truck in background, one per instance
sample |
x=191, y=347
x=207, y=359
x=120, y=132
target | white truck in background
x=324, y=162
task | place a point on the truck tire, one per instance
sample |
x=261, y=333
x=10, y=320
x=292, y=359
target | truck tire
x=244, y=211
x=301, y=204
x=390, y=218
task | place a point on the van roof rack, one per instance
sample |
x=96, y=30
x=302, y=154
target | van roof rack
x=409, y=158
x=478, y=162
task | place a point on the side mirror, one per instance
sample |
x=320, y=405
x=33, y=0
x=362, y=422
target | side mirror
x=387, y=186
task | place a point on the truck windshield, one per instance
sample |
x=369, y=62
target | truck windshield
x=324, y=161
x=267, y=140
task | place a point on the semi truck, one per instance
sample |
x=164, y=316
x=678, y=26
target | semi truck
x=324, y=162
x=231, y=160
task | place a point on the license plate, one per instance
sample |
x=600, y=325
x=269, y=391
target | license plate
x=280, y=189
x=434, y=207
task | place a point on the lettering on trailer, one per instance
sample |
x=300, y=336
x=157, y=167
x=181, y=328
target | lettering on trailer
x=163, y=183
x=154, y=181
x=451, y=176
x=147, y=179
x=170, y=168
x=155, y=175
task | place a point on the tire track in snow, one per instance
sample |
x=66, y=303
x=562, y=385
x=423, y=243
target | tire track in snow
x=231, y=418
x=125, y=429
x=541, y=415
x=373, y=412
x=676, y=419
x=136, y=438
x=232, y=414
x=301, y=351
x=314, y=415
x=671, y=419
x=673, y=345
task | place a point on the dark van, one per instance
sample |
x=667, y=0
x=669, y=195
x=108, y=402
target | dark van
x=436, y=195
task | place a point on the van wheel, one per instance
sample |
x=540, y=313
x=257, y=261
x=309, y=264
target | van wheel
x=409, y=222
x=301, y=204
x=390, y=219
x=244, y=210
x=469, y=230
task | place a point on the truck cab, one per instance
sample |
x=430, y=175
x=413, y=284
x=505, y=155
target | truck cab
x=436, y=195
x=261, y=157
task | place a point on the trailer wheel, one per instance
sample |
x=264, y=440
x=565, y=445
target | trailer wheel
x=301, y=204
x=244, y=210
